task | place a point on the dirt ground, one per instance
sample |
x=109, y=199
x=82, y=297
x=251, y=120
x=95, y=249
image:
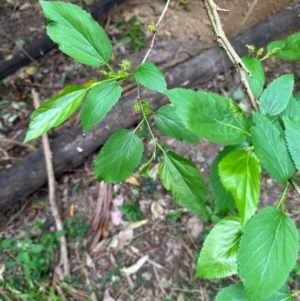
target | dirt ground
x=153, y=258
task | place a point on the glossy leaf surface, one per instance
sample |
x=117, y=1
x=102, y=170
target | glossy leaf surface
x=55, y=111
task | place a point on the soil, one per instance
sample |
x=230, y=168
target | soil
x=169, y=248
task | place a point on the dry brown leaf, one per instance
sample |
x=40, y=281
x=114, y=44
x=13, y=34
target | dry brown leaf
x=135, y=267
x=195, y=226
x=132, y=181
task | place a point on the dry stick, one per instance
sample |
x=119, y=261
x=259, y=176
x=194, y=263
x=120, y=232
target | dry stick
x=247, y=16
x=18, y=46
x=212, y=11
x=51, y=183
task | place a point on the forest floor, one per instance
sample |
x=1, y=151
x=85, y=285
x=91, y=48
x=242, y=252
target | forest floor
x=149, y=250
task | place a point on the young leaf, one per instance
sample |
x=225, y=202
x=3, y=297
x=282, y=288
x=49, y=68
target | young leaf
x=292, y=133
x=210, y=116
x=169, y=124
x=288, y=49
x=268, y=252
x=184, y=180
x=119, y=157
x=77, y=33
x=271, y=149
x=148, y=75
x=218, y=256
x=257, y=80
x=55, y=111
x=275, y=98
x=98, y=103
x=240, y=174
x=236, y=292
x=224, y=199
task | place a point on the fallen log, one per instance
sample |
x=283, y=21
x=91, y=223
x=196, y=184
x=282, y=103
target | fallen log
x=41, y=46
x=71, y=148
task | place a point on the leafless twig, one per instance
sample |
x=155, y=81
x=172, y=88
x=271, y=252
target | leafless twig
x=213, y=13
x=51, y=183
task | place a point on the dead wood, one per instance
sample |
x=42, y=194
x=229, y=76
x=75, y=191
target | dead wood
x=71, y=148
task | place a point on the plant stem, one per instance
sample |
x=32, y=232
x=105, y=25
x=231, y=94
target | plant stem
x=282, y=198
x=150, y=130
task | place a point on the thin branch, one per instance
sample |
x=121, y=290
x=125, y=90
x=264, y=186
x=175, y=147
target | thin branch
x=19, y=47
x=212, y=11
x=51, y=183
x=155, y=31
x=295, y=185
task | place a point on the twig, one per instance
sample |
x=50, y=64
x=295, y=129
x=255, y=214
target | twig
x=29, y=146
x=19, y=47
x=249, y=12
x=295, y=185
x=51, y=183
x=155, y=31
x=212, y=11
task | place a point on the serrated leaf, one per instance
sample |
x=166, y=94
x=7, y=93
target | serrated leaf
x=240, y=174
x=292, y=109
x=169, y=124
x=36, y=249
x=98, y=103
x=275, y=98
x=257, y=80
x=209, y=115
x=268, y=252
x=55, y=111
x=184, y=180
x=288, y=48
x=271, y=148
x=292, y=133
x=148, y=75
x=119, y=157
x=77, y=33
x=218, y=256
x=224, y=199
x=236, y=292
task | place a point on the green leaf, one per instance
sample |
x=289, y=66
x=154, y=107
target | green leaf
x=77, y=33
x=55, y=111
x=98, y=103
x=169, y=124
x=288, y=49
x=268, y=252
x=236, y=292
x=218, y=256
x=184, y=180
x=271, y=148
x=224, y=199
x=233, y=292
x=149, y=76
x=275, y=98
x=210, y=116
x=36, y=249
x=119, y=157
x=257, y=80
x=292, y=133
x=292, y=109
x=240, y=174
